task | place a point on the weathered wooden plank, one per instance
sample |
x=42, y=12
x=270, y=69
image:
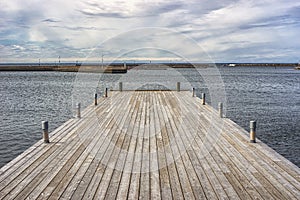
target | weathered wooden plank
x=24, y=178
x=285, y=177
x=154, y=168
x=262, y=165
x=51, y=168
x=239, y=167
x=144, y=189
x=209, y=188
x=150, y=145
x=92, y=167
x=134, y=182
x=40, y=153
x=172, y=112
x=38, y=148
x=192, y=136
x=164, y=180
x=43, y=184
x=130, y=163
x=243, y=145
x=105, y=151
x=170, y=160
x=102, y=120
x=115, y=148
x=241, y=178
x=62, y=180
x=37, y=151
x=123, y=169
x=82, y=187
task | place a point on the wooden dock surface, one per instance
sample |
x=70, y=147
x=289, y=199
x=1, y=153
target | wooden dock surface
x=150, y=145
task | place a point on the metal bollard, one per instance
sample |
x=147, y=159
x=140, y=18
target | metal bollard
x=193, y=92
x=252, y=131
x=203, y=98
x=220, y=109
x=178, y=87
x=45, y=131
x=120, y=86
x=96, y=98
x=78, y=110
x=106, y=92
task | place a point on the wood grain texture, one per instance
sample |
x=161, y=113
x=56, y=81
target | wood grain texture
x=149, y=145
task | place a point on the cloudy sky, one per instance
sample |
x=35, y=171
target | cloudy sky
x=163, y=30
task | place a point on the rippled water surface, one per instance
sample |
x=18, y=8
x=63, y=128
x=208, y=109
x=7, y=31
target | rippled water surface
x=269, y=95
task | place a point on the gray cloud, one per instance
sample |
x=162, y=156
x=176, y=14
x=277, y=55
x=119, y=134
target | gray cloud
x=100, y=14
x=51, y=20
x=80, y=28
x=141, y=9
x=272, y=22
x=228, y=29
x=160, y=8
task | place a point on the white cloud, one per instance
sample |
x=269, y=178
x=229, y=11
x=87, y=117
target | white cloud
x=18, y=47
x=35, y=35
x=226, y=29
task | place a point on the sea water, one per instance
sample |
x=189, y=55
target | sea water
x=266, y=94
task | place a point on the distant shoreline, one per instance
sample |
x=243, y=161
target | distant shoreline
x=64, y=68
x=121, y=68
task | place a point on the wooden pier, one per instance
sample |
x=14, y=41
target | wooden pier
x=149, y=145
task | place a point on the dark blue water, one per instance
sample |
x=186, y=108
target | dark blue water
x=26, y=99
x=272, y=97
x=269, y=95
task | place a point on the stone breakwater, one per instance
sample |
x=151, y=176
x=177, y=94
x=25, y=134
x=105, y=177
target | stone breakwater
x=65, y=68
x=122, y=68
